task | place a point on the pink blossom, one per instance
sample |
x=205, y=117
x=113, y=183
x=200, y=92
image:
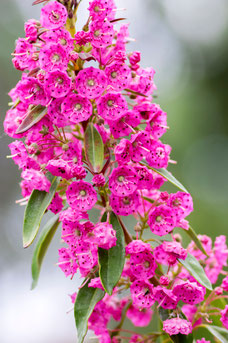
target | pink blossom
x=175, y=326
x=81, y=195
x=53, y=15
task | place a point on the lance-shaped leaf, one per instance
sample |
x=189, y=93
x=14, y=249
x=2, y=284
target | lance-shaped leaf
x=220, y=333
x=86, y=300
x=37, y=205
x=192, y=234
x=195, y=269
x=168, y=176
x=94, y=148
x=111, y=261
x=42, y=246
x=32, y=117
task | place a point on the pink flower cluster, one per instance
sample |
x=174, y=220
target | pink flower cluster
x=91, y=78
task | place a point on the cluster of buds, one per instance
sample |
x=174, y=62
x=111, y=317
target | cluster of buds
x=83, y=113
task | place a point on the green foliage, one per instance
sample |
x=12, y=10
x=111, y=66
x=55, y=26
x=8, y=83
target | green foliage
x=42, y=246
x=35, y=209
x=218, y=332
x=195, y=269
x=32, y=117
x=111, y=261
x=94, y=148
x=86, y=300
x=192, y=234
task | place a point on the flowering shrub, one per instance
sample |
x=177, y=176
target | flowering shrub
x=87, y=137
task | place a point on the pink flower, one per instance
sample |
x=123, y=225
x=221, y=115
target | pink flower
x=224, y=317
x=30, y=91
x=101, y=33
x=56, y=204
x=36, y=180
x=181, y=204
x=137, y=246
x=25, y=55
x=161, y=220
x=91, y=82
x=98, y=180
x=124, y=206
x=157, y=122
x=105, y=235
x=225, y=284
x=55, y=114
x=96, y=283
x=61, y=37
x=111, y=106
x=141, y=145
x=189, y=292
x=31, y=29
x=76, y=108
x=67, y=262
x=202, y=340
x=53, y=56
x=142, y=294
x=123, y=151
x=57, y=83
x=158, y=157
x=124, y=124
x=59, y=168
x=139, y=317
x=53, y=15
x=165, y=297
x=81, y=195
x=175, y=326
x=101, y=9
x=123, y=181
x=82, y=37
x=142, y=265
x=118, y=75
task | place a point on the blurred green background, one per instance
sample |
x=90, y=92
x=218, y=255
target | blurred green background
x=186, y=42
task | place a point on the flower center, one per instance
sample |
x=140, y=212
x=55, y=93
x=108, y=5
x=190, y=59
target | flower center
x=146, y=264
x=97, y=33
x=59, y=80
x=146, y=291
x=55, y=16
x=126, y=201
x=90, y=82
x=158, y=219
x=63, y=41
x=114, y=74
x=176, y=202
x=121, y=178
x=77, y=233
x=96, y=9
x=55, y=58
x=82, y=193
x=78, y=107
x=110, y=103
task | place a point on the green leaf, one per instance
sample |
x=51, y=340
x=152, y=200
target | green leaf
x=33, y=116
x=37, y=205
x=42, y=246
x=220, y=333
x=195, y=269
x=168, y=176
x=111, y=261
x=94, y=148
x=192, y=234
x=85, y=302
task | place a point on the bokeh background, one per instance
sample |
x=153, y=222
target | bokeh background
x=186, y=42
